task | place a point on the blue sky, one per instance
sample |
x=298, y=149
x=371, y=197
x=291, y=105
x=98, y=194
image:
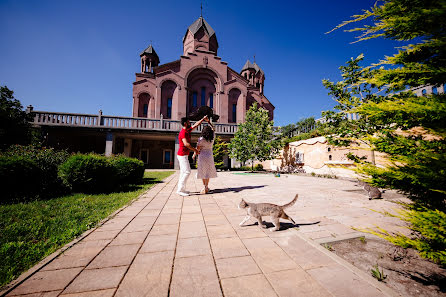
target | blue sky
x=81, y=56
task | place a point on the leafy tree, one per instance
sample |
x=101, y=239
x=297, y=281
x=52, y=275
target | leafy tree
x=14, y=126
x=220, y=149
x=411, y=130
x=254, y=139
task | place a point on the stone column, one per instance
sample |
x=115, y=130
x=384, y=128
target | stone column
x=176, y=165
x=127, y=147
x=223, y=98
x=157, y=102
x=109, y=144
x=241, y=108
x=180, y=104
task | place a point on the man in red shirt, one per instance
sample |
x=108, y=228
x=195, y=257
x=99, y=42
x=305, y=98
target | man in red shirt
x=183, y=153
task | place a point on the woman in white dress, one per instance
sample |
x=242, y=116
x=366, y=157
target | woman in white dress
x=205, y=163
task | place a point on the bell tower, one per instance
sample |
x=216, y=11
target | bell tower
x=149, y=59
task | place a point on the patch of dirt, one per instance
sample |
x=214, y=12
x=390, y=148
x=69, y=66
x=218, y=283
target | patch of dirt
x=407, y=273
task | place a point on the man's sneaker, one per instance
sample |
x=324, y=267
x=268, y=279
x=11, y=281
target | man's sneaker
x=182, y=193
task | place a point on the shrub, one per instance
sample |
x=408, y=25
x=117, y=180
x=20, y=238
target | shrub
x=258, y=167
x=48, y=161
x=45, y=178
x=128, y=170
x=20, y=177
x=88, y=173
x=428, y=236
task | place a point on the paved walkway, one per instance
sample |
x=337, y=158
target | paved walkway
x=167, y=245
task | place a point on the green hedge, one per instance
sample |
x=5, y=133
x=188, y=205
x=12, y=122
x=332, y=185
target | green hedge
x=128, y=170
x=94, y=174
x=44, y=180
x=20, y=177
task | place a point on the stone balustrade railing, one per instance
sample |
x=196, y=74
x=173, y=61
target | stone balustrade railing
x=44, y=118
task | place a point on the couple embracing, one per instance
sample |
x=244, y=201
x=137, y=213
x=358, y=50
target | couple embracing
x=205, y=163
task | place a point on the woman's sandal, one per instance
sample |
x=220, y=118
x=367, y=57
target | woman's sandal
x=203, y=191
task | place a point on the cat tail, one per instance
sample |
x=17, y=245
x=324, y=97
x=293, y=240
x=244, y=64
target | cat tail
x=292, y=202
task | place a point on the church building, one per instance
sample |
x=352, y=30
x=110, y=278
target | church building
x=162, y=95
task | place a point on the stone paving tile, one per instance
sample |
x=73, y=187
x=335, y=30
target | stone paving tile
x=221, y=231
x=191, y=217
x=303, y=253
x=296, y=282
x=228, y=248
x=195, y=277
x=238, y=266
x=250, y=285
x=211, y=211
x=97, y=279
x=253, y=244
x=116, y=224
x=194, y=246
x=342, y=282
x=191, y=209
x=270, y=260
x=46, y=281
x=100, y=235
x=118, y=255
x=77, y=256
x=215, y=220
x=171, y=210
x=140, y=224
x=100, y=293
x=251, y=232
x=168, y=219
x=164, y=229
x=149, y=275
x=130, y=238
x=149, y=213
x=192, y=229
x=43, y=294
x=159, y=243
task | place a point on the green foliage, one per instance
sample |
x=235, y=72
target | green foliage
x=14, y=126
x=258, y=167
x=254, y=139
x=128, y=170
x=20, y=177
x=328, y=247
x=220, y=149
x=378, y=274
x=39, y=183
x=429, y=227
x=411, y=130
x=88, y=174
x=33, y=230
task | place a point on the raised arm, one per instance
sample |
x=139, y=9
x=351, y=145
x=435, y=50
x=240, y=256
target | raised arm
x=198, y=123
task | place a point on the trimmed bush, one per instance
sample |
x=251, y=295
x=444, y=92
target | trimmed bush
x=88, y=173
x=20, y=177
x=128, y=170
x=48, y=161
x=258, y=167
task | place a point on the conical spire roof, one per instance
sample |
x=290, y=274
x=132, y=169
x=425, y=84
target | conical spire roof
x=149, y=50
x=248, y=65
x=201, y=22
x=257, y=68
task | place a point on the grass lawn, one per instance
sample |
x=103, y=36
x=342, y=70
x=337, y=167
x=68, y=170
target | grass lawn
x=31, y=231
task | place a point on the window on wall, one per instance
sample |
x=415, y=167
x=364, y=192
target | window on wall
x=169, y=108
x=203, y=96
x=423, y=92
x=194, y=99
x=144, y=156
x=211, y=100
x=145, y=108
x=434, y=90
x=167, y=156
x=234, y=113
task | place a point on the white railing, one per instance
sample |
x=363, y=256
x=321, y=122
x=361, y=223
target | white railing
x=44, y=118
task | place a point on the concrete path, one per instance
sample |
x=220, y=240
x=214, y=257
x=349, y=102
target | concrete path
x=167, y=245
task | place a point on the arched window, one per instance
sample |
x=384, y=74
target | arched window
x=423, y=92
x=211, y=100
x=434, y=90
x=329, y=149
x=329, y=158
